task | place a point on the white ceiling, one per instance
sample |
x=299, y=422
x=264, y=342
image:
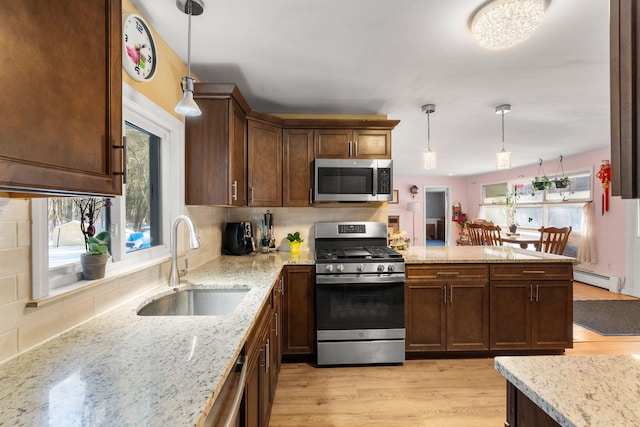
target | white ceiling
x=393, y=56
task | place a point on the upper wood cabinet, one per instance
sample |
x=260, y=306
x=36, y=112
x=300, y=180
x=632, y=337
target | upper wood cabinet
x=297, y=167
x=625, y=81
x=61, y=101
x=264, y=166
x=352, y=144
x=216, y=147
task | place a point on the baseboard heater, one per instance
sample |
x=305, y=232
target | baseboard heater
x=610, y=283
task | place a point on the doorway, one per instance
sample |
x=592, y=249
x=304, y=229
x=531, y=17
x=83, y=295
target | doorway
x=436, y=206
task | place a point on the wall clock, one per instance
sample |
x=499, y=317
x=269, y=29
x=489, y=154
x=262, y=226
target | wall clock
x=139, y=55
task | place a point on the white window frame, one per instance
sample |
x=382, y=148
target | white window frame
x=141, y=111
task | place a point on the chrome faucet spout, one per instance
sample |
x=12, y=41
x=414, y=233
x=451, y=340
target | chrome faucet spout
x=174, y=274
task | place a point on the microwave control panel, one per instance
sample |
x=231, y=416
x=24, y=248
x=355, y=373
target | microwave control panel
x=384, y=180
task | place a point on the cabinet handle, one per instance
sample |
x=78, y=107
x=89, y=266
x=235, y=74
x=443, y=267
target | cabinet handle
x=447, y=273
x=123, y=164
x=311, y=196
x=531, y=293
x=350, y=149
x=537, y=293
x=444, y=293
x=450, y=294
x=282, y=285
x=266, y=357
x=251, y=190
x=235, y=190
x=276, y=313
x=355, y=149
x=533, y=271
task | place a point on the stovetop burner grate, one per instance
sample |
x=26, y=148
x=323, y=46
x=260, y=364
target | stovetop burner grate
x=360, y=253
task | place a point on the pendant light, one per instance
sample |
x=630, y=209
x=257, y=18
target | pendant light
x=429, y=158
x=187, y=106
x=503, y=157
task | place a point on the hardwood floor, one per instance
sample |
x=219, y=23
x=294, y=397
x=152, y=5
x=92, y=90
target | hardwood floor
x=432, y=392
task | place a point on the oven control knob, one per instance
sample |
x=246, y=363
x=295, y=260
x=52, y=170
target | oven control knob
x=381, y=268
x=339, y=267
x=329, y=268
x=392, y=267
x=360, y=267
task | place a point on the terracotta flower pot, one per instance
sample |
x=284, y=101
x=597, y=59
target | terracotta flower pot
x=294, y=246
x=93, y=266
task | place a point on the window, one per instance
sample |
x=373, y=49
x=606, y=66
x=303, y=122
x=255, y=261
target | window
x=556, y=207
x=138, y=221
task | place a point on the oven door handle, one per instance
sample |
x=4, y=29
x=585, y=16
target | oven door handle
x=374, y=280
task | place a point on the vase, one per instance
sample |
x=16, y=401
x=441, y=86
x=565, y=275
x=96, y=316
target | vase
x=294, y=246
x=93, y=266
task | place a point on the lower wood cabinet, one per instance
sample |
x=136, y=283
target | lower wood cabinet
x=447, y=308
x=532, y=307
x=522, y=412
x=298, y=310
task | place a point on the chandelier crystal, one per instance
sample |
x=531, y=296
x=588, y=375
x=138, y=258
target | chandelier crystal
x=500, y=24
x=429, y=158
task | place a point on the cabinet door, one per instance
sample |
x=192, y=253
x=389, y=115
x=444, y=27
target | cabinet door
x=215, y=154
x=297, y=167
x=510, y=315
x=264, y=145
x=552, y=318
x=252, y=392
x=236, y=191
x=333, y=143
x=468, y=316
x=371, y=144
x=298, y=311
x=275, y=343
x=425, y=317
x=61, y=102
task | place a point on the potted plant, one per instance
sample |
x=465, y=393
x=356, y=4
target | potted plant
x=563, y=182
x=94, y=260
x=540, y=183
x=510, y=203
x=294, y=241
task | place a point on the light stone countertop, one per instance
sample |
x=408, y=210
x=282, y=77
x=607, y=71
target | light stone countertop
x=121, y=369
x=579, y=391
x=475, y=254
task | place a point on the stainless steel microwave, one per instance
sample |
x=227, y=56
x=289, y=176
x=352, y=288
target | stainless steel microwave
x=347, y=180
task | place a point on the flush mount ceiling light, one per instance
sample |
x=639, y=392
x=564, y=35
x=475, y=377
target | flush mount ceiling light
x=187, y=106
x=503, y=157
x=500, y=24
x=429, y=158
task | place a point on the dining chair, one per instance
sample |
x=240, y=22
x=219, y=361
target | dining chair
x=553, y=240
x=491, y=235
x=475, y=233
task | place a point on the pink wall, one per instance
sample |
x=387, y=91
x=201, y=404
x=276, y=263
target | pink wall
x=458, y=193
x=610, y=230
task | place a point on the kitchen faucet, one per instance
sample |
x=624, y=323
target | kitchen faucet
x=175, y=273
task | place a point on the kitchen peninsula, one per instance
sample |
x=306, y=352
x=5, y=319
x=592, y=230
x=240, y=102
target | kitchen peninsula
x=548, y=391
x=125, y=369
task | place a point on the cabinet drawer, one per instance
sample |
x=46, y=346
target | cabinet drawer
x=440, y=272
x=532, y=271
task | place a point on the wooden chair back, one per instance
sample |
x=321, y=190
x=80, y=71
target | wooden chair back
x=553, y=240
x=491, y=235
x=475, y=233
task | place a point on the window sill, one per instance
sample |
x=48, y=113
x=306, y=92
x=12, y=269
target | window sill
x=84, y=285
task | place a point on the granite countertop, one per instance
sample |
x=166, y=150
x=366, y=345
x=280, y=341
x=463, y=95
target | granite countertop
x=128, y=370
x=600, y=390
x=475, y=254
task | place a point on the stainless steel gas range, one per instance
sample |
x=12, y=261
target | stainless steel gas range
x=359, y=295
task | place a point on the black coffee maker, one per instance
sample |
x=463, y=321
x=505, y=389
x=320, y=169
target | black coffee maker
x=238, y=239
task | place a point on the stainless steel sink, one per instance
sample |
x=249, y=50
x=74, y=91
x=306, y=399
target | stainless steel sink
x=195, y=302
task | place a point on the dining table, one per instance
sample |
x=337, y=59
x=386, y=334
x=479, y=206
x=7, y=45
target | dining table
x=524, y=240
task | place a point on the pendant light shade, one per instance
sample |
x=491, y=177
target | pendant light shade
x=429, y=158
x=503, y=157
x=187, y=106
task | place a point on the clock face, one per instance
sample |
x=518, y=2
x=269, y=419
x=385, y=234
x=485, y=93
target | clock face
x=139, y=56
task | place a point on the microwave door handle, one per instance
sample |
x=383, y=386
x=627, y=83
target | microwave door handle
x=375, y=181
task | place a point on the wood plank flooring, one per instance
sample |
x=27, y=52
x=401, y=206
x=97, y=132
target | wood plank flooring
x=432, y=392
